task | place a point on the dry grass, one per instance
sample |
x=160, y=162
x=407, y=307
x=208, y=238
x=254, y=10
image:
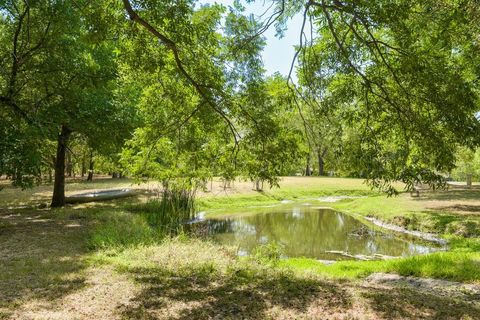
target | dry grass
x=15, y=197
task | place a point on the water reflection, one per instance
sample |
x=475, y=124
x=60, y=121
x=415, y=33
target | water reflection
x=308, y=232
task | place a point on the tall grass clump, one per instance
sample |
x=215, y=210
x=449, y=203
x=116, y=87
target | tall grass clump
x=122, y=230
x=170, y=210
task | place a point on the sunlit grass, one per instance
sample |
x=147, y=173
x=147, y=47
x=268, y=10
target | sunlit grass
x=123, y=230
x=455, y=266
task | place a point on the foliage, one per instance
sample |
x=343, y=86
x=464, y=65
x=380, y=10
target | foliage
x=168, y=213
x=57, y=71
x=399, y=76
x=270, y=148
x=388, y=90
x=467, y=163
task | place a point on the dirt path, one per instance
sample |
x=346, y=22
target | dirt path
x=105, y=292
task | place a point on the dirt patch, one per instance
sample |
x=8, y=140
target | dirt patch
x=443, y=288
x=44, y=275
x=103, y=294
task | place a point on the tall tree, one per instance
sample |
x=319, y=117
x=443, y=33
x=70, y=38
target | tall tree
x=58, y=78
x=403, y=77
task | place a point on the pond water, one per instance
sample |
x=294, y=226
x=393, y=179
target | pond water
x=309, y=232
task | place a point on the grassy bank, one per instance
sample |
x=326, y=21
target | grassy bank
x=455, y=266
x=242, y=194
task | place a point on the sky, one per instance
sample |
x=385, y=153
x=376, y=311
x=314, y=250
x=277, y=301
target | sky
x=278, y=53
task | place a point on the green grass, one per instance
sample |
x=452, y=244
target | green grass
x=123, y=230
x=232, y=203
x=460, y=263
x=142, y=223
x=455, y=266
x=291, y=188
x=411, y=214
x=379, y=206
x=186, y=256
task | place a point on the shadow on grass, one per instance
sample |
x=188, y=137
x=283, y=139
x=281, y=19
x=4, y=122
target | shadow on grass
x=436, y=221
x=14, y=197
x=244, y=294
x=451, y=194
x=40, y=258
x=470, y=209
x=202, y=293
x=403, y=303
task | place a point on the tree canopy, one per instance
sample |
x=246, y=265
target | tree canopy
x=387, y=90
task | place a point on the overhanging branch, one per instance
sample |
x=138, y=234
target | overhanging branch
x=171, y=45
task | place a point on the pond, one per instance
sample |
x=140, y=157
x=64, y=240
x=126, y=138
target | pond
x=309, y=232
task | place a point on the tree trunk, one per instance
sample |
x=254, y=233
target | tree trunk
x=321, y=164
x=58, y=198
x=84, y=167
x=308, y=169
x=257, y=185
x=69, y=164
x=90, y=168
x=469, y=181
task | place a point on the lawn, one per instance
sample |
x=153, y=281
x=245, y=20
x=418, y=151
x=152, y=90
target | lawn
x=105, y=261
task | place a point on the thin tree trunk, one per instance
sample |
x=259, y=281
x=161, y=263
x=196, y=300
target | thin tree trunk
x=51, y=168
x=308, y=169
x=90, y=168
x=69, y=163
x=58, y=198
x=84, y=167
x=257, y=185
x=321, y=164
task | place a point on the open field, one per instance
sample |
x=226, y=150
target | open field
x=53, y=267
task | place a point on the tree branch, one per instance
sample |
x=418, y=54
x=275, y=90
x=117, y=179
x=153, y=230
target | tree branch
x=171, y=45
